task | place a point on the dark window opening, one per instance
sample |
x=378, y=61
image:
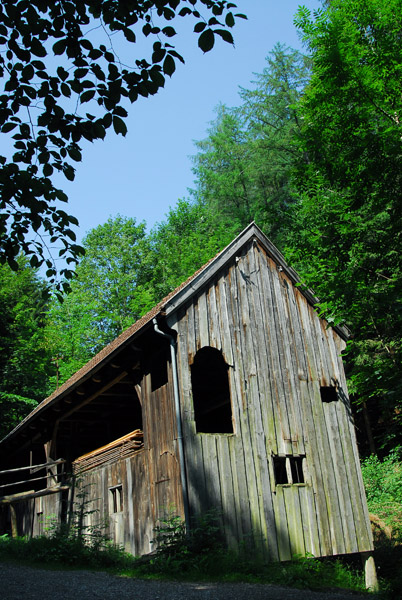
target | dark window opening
x=116, y=494
x=296, y=467
x=328, y=393
x=281, y=476
x=288, y=469
x=211, y=392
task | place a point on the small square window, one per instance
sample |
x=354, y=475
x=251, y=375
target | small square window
x=288, y=469
x=116, y=498
x=328, y=393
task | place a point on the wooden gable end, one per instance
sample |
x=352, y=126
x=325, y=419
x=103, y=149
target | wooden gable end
x=287, y=478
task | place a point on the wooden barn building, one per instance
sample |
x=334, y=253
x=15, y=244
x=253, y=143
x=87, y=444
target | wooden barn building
x=229, y=394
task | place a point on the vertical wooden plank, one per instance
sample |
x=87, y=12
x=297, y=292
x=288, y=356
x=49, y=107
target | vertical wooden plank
x=262, y=411
x=286, y=369
x=203, y=317
x=282, y=527
x=309, y=520
x=192, y=443
x=263, y=353
x=252, y=431
x=332, y=491
x=319, y=463
x=241, y=497
x=244, y=463
x=294, y=520
x=226, y=323
x=211, y=470
x=130, y=536
x=341, y=480
x=227, y=491
x=236, y=443
x=283, y=434
x=315, y=469
x=214, y=327
x=340, y=495
x=296, y=360
x=347, y=437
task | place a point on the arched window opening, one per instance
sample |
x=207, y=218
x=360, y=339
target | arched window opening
x=211, y=393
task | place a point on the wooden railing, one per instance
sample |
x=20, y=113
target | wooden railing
x=51, y=473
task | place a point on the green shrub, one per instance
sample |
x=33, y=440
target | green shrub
x=201, y=555
x=383, y=483
x=63, y=550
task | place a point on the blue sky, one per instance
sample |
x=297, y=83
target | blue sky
x=145, y=173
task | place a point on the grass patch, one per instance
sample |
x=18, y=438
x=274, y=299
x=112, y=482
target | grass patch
x=63, y=551
x=200, y=556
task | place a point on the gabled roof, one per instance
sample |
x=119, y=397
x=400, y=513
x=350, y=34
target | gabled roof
x=167, y=306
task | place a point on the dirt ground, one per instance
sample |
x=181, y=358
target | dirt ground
x=27, y=583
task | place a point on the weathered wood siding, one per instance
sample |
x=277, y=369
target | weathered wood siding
x=279, y=353
x=149, y=480
x=160, y=441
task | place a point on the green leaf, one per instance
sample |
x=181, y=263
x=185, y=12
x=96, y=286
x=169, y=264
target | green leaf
x=129, y=35
x=60, y=47
x=69, y=172
x=65, y=90
x=229, y=19
x=199, y=27
x=87, y=96
x=169, y=65
x=158, y=55
x=107, y=120
x=225, y=35
x=119, y=125
x=47, y=170
x=12, y=263
x=169, y=31
x=62, y=73
x=206, y=40
x=146, y=30
x=28, y=72
x=75, y=154
x=37, y=48
x=8, y=127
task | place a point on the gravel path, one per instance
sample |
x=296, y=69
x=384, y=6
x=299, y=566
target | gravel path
x=26, y=583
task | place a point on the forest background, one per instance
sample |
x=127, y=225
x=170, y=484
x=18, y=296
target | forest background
x=312, y=154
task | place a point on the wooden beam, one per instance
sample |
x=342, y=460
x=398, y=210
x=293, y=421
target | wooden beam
x=59, y=461
x=93, y=396
x=32, y=494
x=26, y=481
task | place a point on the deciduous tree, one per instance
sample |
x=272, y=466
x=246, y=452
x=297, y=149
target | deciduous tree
x=65, y=82
x=25, y=359
x=103, y=298
x=348, y=235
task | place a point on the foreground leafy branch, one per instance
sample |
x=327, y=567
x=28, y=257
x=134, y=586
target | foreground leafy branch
x=56, y=57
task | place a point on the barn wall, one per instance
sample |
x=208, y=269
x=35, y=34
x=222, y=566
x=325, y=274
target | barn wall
x=143, y=488
x=279, y=354
x=91, y=496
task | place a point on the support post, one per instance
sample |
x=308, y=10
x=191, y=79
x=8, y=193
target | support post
x=370, y=572
x=13, y=514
